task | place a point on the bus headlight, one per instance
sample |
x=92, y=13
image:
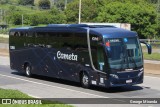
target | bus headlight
x=114, y=76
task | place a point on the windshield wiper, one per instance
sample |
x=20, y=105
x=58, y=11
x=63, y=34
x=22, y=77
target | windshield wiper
x=132, y=59
x=130, y=56
x=123, y=57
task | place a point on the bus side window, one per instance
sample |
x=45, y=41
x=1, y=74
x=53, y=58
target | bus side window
x=80, y=42
x=81, y=48
x=30, y=39
x=52, y=40
x=67, y=41
x=12, y=38
x=40, y=39
x=19, y=39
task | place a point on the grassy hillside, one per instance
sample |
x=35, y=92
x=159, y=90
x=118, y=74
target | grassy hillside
x=28, y=9
x=9, y=9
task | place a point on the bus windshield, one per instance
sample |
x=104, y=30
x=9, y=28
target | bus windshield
x=123, y=53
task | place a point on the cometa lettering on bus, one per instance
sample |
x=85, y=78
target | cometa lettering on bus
x=61, y=55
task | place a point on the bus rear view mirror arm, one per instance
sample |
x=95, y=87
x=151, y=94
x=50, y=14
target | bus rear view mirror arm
x=149, y=47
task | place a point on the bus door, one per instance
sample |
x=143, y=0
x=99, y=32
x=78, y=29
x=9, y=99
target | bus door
x=99, y=58
x=98, y=54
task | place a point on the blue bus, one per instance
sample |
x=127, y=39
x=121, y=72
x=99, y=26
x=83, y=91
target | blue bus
x=98, y=55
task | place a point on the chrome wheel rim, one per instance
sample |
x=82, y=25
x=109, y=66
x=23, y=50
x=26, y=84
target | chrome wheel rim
x=85, y=79
x=27, y=70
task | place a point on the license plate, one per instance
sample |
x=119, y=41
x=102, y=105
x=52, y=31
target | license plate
x=129, y=81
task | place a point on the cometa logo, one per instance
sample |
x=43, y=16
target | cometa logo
x=72, y=57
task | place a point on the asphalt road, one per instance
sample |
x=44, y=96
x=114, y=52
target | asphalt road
x=44, y=87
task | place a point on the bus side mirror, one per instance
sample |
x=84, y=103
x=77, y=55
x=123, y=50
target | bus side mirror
x=149, y=47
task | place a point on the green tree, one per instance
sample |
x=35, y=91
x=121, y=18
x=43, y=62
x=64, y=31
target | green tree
x=4, y=1
x=16, y=18
x=44, y=4
x=60, y=4
x=89, y=11
x=26, y=2
x=14, y=15
x=34, y=20
x=52, y=16
x=141, y=16
x=152, y=1
x=56, y=16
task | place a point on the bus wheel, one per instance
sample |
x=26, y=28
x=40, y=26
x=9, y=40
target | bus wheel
x=28, y=71
x=85, y=81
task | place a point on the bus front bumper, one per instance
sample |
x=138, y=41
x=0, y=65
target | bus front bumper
x=126, y=78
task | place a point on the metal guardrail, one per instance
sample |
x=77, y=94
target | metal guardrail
x=149, y=40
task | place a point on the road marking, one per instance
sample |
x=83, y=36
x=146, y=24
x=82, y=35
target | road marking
x=53, y=86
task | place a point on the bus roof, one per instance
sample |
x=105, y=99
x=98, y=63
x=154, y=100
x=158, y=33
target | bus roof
x=23, y=28
x=114, y=32
x=20, y=29
x=104, y=30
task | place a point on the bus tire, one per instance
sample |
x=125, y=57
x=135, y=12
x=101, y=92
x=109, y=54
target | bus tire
x=28, y=71
x=85, y=80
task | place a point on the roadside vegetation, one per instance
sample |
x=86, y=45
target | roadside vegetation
x=8, y=93
x=141, y=14
x=153, y=56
